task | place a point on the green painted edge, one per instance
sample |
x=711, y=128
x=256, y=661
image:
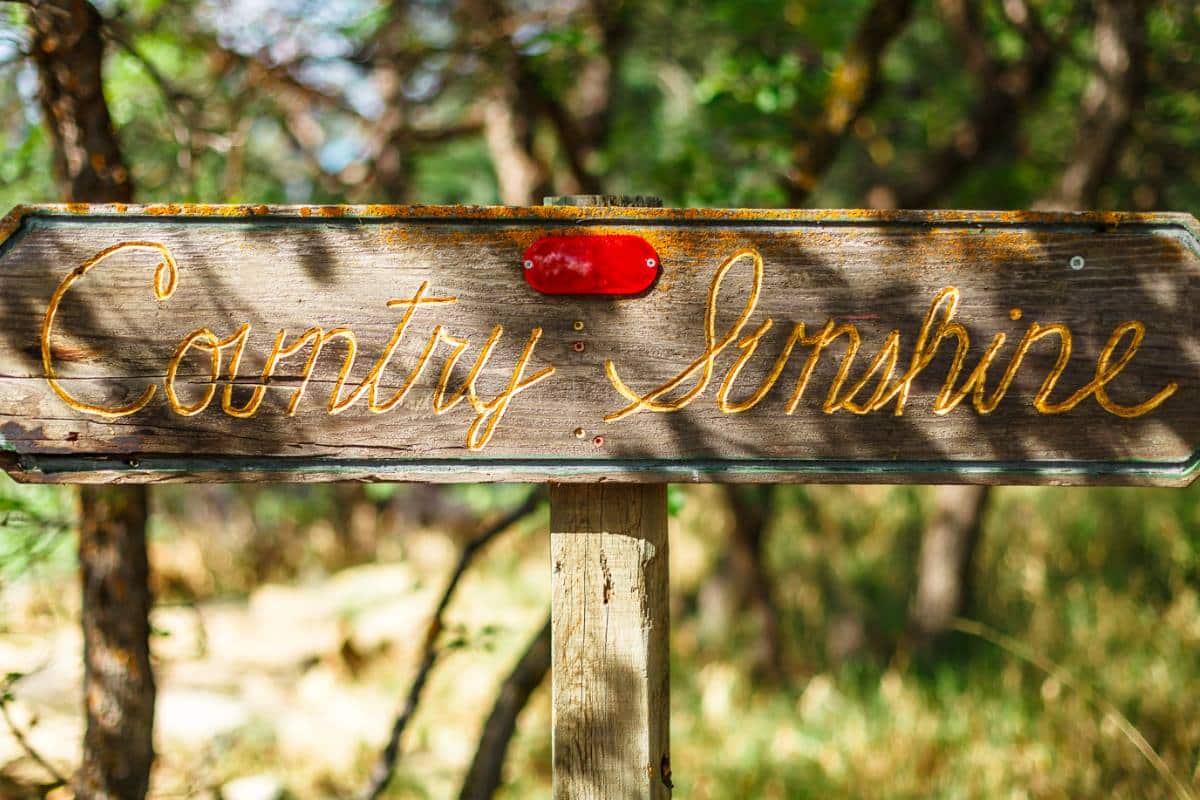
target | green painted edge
x=1169, y=471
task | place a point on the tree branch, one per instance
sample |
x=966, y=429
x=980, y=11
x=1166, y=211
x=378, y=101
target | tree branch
x=519, y=173
x=385, y=765
x=174, y=98
x=484, y=775
x=19, y=735
x=615, y=22
x=276, y=78
x=527, y=96
x=296, y=130
x=852, y=89
x=1008, y=91
x=170, y=92
x=585, y=132
x=1111, y=100
x=574, y=146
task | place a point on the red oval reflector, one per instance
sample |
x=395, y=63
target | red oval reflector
x=601, y=264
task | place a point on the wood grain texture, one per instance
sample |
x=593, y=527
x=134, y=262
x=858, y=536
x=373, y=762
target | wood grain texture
x=295, y=268
x=610, y=621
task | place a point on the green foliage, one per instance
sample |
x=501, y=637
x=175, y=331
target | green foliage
x=676, y=499
x=709, y=104
x=34, y=523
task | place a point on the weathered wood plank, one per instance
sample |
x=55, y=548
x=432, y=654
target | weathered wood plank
x=1111, y=281
x=610, y=620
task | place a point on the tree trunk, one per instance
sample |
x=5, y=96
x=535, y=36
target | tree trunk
x=947, y=556
x=118, y=680
x=118, y=750
x=753, y=584
x=68, y=50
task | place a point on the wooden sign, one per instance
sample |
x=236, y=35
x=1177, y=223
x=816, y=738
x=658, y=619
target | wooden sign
x=166, y=343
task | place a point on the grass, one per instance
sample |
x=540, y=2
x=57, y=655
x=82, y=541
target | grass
x=1074, y=677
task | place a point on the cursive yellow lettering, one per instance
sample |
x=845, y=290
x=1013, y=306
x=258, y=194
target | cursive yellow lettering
x=166, y=274
x=201, y=338
x=703, y=364
x=488, y=414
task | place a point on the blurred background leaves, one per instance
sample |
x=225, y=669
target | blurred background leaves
x=798, y=670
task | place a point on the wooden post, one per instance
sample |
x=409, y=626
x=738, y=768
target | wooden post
x=610, y=617
x=610, y=629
